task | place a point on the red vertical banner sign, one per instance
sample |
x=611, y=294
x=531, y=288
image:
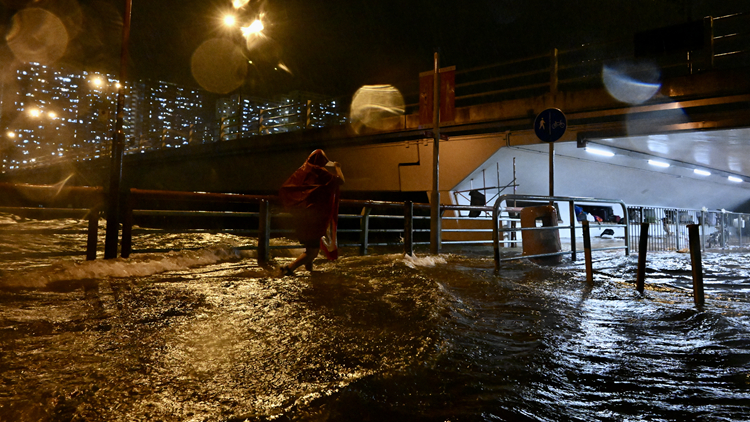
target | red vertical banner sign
x=447, y=95
x=425, y=98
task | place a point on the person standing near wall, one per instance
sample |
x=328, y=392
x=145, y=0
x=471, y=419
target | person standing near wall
x=311, y=194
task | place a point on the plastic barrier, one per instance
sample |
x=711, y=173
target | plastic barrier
x=538, y=242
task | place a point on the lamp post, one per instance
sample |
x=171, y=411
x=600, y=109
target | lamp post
x=252, y=28
x=115, y=176
x=435, y=222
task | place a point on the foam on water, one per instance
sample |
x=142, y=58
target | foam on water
x=423, y=261
x=139, y=266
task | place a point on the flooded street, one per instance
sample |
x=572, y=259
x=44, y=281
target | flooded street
x=207, y=335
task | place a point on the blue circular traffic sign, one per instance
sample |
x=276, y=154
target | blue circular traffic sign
x=550, y=125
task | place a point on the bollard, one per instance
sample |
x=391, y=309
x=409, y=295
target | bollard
x=695, y=258
x=409, y=228
x=364, y=231
x=264, y=232
x=642, y=251
x=126, y=248
x=587, y=252
x=93, y=233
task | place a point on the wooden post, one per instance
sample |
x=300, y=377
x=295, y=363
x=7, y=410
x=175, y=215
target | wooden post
x=642, y=251
x=364, y=231
x=93, y=233
x=587, y=252
x=409, y=228
x=264, y=232
x=695, y=258
x=127, y=227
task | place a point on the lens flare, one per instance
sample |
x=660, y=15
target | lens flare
x=219, y=66
x=373, y=105
x=37, y=35
x=632, y=83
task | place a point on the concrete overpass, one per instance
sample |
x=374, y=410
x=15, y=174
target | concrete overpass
x=694, y=121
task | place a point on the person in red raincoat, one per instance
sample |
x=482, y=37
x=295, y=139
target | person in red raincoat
x=312, y=195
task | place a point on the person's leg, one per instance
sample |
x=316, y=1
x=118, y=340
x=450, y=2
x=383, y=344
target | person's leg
x=306, y=259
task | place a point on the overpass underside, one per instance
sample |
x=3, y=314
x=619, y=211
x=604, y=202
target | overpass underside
x=696, y=120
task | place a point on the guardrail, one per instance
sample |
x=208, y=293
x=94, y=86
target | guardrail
x=146, y=204
x=378, y=223
x=497, y=229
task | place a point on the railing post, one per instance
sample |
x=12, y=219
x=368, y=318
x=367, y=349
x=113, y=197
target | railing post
x=677, y=230
x=572, y=230
x=587, y=252
x=642, y=251
x=264, y=232
x=127, y=227
x=409, y=228
x=553, y=81
x=695, y=258
x=93, y=233
x=364, y=230
x=723, y=229
x=496, y=234
x=740, y=224
x=708, y=34
x=703, y=229
x=627, y=228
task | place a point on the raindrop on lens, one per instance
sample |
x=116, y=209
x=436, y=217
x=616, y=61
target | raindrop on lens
x=372, y=105
x=632, y=83
x=37, y=35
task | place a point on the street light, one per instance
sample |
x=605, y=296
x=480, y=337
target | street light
x=254, y=28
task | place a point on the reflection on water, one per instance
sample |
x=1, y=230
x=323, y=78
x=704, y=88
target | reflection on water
x=208, y=335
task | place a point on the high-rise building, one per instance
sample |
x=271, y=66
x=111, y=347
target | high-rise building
x=242, y=116
x=51, y=113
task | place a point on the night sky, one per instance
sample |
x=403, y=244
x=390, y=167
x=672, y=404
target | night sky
x=334, y=46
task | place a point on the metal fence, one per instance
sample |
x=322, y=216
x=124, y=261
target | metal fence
x=723, y=45
x=364, y=224
x=501, y=208
x=720, y=229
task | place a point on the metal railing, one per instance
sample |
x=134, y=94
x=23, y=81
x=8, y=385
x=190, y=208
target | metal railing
x=720, y=229
x=572, y=201
x=375, y=223
x=164, y=205
x=726, y=46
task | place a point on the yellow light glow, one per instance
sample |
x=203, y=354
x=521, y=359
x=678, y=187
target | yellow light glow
x=230, y=20
x=11, y=134
x=52, y=114
x=97, y=82
x=239, y=3
x=35, y=112
x=255, y=28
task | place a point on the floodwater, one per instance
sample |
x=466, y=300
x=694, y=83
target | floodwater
x=205, y=334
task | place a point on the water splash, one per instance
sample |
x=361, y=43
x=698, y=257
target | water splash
x=424, y=261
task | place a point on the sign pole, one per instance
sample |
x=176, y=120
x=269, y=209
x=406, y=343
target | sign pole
x=435, y=225
x=549, y=126
x=551, y=169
